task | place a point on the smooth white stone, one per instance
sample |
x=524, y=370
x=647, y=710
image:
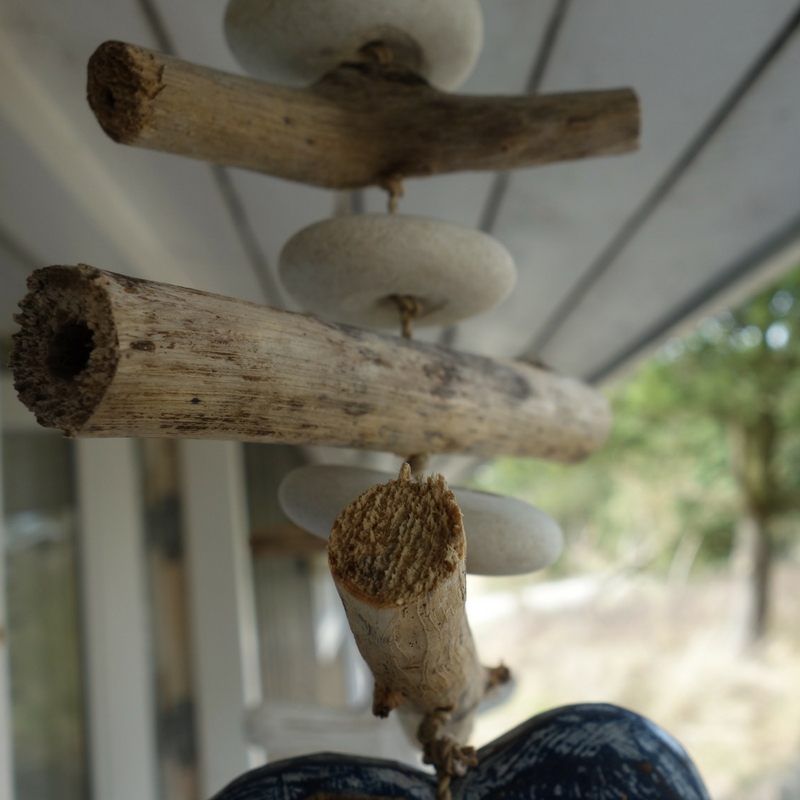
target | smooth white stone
x=505, y=536
x=299, y=41
x=346, y=269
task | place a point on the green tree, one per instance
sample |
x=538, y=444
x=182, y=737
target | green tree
x=741, y=369
x=703, y=463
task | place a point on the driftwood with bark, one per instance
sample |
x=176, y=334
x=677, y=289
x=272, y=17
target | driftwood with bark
x=100, y=354
x=363, y=124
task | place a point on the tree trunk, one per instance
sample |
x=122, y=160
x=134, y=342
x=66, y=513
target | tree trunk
x=752, y=448
x=751, y=567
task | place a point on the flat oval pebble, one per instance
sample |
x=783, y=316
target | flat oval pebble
x=347, y=269
x=505, y=536
x=299, y=41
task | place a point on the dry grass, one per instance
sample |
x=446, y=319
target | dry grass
x=664, y=652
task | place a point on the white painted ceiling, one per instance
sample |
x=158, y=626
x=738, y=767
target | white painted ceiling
x=613, y=253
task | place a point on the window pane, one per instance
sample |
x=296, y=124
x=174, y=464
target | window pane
x=44, y=643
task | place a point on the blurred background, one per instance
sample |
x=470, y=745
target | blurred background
x=678, y=593
x=166, y=627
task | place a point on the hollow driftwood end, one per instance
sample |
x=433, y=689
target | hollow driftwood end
x=66, y=352
x=120, y=87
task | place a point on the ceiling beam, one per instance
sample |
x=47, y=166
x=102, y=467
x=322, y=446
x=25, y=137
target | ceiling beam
x=663, y=188
x=756, y=269
x=231, y=198
x=499, y=188
x=68, y=157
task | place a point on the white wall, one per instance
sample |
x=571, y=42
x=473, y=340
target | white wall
x=117, y=643
x=222, y=608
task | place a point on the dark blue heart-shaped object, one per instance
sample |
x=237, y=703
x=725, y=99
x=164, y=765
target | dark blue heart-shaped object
x=588, y=751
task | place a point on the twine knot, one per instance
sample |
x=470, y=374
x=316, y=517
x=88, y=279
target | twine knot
x=450, y=758
x=393, y=184
x=410, y=308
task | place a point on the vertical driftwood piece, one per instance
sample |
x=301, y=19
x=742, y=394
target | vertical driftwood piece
x=397, y=554
x=362, y=125
x=99, y=354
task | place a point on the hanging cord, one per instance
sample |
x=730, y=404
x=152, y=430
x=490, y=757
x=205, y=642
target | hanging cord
x=380, y=54
x=393, y=184
x=410, y=308
x=450, y=759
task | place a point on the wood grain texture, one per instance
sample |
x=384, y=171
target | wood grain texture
x=363, y=124
x=100, y=354
x=398, y=557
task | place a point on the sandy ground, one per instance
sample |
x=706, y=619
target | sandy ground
x=663, y=651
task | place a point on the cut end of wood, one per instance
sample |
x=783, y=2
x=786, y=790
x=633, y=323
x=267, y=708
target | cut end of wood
x=398, y=541
x=65, y=354
x=121, y=78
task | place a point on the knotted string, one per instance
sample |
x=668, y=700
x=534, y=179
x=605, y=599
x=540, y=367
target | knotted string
x=410, y=308
x=393, y=184
x=450, y=758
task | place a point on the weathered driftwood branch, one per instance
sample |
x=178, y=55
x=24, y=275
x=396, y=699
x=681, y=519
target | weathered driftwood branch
x=397, y=556
x=364, y=124
x=100, y=354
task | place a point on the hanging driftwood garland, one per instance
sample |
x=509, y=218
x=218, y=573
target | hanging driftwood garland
x=99, y=354
x=362, y=125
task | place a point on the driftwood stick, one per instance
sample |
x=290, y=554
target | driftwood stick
x=362, y=125
x=397, y=556
x=100, y=354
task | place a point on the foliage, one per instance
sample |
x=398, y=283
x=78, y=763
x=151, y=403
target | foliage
x=663, y=492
